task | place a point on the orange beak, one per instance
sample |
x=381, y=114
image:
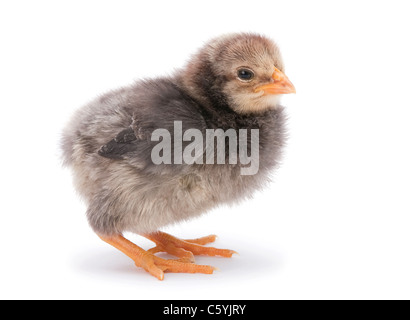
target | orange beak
x=281, y=84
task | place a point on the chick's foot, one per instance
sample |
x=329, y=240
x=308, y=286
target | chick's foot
x=151, y=263
x=185, y=249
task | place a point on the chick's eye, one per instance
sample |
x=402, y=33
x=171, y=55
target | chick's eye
x=245, y=74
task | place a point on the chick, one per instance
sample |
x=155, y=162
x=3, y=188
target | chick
x=233, y=83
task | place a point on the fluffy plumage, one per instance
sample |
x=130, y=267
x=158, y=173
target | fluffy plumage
x=108, y=147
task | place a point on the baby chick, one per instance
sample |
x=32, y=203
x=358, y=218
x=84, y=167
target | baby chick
x=233, y=83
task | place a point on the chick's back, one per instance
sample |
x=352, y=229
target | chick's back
x=132, y=193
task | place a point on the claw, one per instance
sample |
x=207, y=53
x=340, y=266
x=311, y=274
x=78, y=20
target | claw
x=168, y=243
x=184, y=250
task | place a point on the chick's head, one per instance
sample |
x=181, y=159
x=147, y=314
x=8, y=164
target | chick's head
x=246, y=69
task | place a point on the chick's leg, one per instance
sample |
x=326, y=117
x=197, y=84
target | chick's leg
x=185, y=249
x=151, y=263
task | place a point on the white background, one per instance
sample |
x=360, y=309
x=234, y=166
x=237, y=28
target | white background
x=334, y=224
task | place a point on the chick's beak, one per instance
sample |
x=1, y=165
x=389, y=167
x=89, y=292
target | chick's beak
x=281, y=84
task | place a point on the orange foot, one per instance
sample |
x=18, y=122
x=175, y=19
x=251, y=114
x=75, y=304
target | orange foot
x=186, y=249
x=183, y=249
